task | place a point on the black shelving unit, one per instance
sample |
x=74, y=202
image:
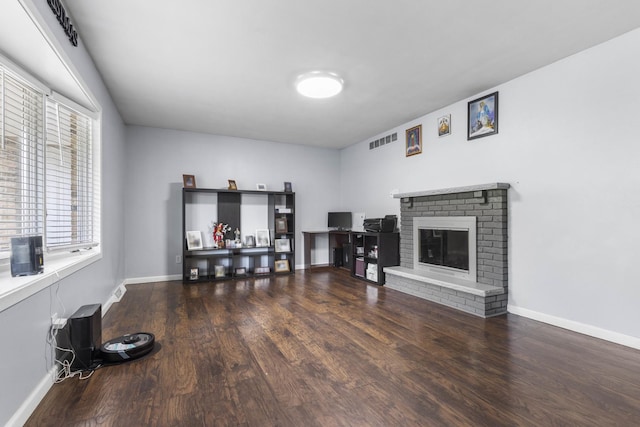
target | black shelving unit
x=213, y=264
x=371, y=252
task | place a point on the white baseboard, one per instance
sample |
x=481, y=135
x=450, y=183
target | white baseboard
x=581, y=328
x=25, y=410
x=150, y=279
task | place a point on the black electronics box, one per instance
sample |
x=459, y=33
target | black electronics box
x=85, y=335
x=26, y=256
x=381, y=225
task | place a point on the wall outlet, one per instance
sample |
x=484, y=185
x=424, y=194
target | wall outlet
x=58, y=322
x=178, y=259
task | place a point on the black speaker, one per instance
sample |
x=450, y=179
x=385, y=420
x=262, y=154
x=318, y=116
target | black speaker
x=85, y=335
x=337, y=257
x=26, y=256
x=347, y=255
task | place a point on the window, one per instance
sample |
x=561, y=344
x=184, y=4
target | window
x=46, y=168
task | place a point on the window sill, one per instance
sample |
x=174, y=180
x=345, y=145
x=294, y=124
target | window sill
x=56, y=267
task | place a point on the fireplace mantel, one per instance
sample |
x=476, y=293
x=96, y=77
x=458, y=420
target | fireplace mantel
x=453, y=190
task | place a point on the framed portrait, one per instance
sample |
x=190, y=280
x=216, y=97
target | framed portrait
x=261, y=187
x=188, y=181
x=282, y=265
x=282, y=245
x=287, y=187
x=414, y=140
x=482, y=119
x=232, y=185
x=194, y=273
x=194, y=240
x=281, y=225
x=262, y=238
x=249, y=241
x=444, y=125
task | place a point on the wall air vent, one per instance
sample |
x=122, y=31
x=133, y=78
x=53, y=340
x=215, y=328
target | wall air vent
x=383, y=140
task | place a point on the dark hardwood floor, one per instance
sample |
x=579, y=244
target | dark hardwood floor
x=322, y=349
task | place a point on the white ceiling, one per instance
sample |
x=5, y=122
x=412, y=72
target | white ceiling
x=227, y=67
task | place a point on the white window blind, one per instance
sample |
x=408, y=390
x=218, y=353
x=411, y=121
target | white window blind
x=69, y=178
x=21, y=160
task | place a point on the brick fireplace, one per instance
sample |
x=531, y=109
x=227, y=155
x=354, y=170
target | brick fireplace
x=485, y=292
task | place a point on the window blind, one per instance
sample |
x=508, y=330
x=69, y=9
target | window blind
x=69, y=178
x=21, y=159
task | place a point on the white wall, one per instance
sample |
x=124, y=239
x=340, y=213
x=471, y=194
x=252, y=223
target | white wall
x=157, y=159
x=568, y=145
x=24, y=326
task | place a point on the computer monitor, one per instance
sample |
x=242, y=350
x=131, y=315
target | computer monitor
x=339, y=220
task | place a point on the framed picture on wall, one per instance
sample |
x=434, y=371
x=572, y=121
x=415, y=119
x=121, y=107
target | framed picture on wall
x=444, y=125
x=414, y=140
x=482, y=119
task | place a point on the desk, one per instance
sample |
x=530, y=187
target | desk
x=336, y=240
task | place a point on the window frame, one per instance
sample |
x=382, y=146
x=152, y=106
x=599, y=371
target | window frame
x=57, y=263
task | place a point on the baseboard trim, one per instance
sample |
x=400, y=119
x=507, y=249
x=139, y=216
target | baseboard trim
x=581, y=328
x=25, y=410
x=150, y=279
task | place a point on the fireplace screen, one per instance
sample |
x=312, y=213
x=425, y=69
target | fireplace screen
x=446, y=248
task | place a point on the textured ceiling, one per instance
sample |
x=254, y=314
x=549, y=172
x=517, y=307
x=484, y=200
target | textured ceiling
x=228, y=67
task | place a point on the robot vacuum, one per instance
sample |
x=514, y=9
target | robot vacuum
x=127, y=347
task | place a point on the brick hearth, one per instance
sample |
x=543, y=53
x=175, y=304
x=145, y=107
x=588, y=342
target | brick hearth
x=488, y=202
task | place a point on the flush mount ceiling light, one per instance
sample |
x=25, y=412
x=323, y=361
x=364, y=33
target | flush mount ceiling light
x=319, y=84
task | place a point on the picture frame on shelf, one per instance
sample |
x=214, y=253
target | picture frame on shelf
x=262, y=270
x=282, y=245
x=444, y=125
x=220, y=271
x=262, y=238
x=288, y=188
x=194, y=273
x=414, y=141
x=194, y=240
x=261, y=187
x=250, y=241
x=281, y=225
x=282, y=266
x=232, y=184
x=482, y=116
x=189, y=181
x=240, y=271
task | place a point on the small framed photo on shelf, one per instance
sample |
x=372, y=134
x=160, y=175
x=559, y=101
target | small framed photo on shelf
x=232, y=184
x=282, y=245
x=281, y=225
x=194, y=273
x=482, y=117
x=250, y=241
x=194, y=240
x=188, y=181
x=220, y=271
x=444, y=125
x=414, y=140
x=262, y=238
x=282, y=265
x=240, y=271
x=287, y=187
x=261, y=187
x=262, y=270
